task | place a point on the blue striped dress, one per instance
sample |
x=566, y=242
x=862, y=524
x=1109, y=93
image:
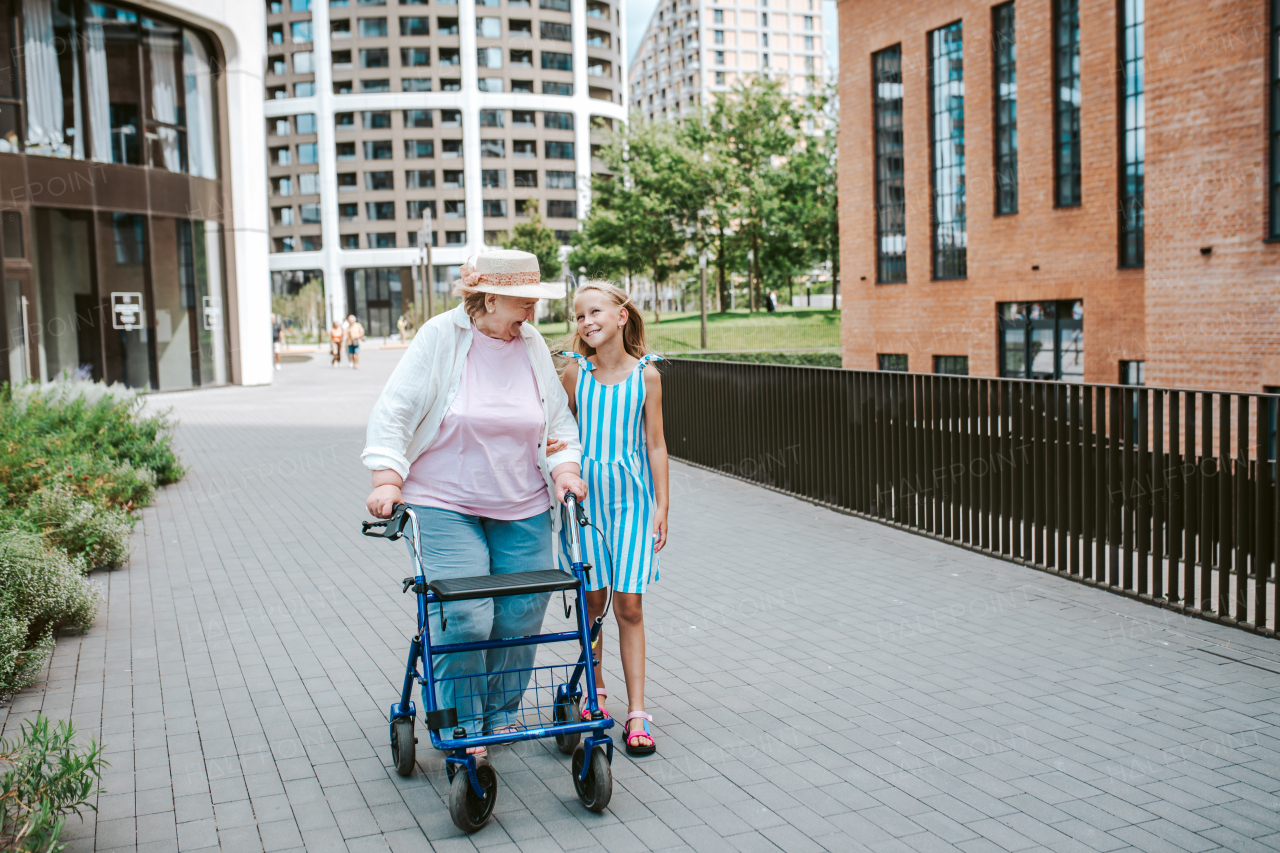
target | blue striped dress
x=615, y=464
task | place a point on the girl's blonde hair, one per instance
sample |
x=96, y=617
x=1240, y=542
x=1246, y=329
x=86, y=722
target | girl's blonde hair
x=633, y=339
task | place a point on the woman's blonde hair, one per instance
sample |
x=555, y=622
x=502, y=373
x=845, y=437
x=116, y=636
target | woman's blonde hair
x=633, y=339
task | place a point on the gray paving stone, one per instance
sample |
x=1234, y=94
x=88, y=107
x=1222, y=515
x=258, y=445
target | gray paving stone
x=953, y=702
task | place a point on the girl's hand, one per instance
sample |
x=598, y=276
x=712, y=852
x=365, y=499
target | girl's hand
x=383, y=499
x=570, y=482
x=555, y=445
x=660, y=530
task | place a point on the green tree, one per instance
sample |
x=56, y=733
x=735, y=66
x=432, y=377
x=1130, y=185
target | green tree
x=536, y=239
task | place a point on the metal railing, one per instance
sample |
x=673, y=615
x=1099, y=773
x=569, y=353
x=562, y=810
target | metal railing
x=1152, y=492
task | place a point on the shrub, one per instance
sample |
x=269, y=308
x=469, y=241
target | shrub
x=49, y=777
x=811, y=359
x=41, y=591
x=97, y=535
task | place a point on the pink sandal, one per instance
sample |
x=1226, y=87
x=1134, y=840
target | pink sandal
x=586, y=712
x=643, y=748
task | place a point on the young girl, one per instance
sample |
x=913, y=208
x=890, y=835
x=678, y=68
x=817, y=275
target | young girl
x=617, y=397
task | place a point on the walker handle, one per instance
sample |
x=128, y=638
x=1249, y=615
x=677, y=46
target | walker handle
x=578, y=510
x=391, y=528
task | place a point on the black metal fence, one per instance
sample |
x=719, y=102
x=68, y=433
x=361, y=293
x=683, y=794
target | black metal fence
x=1167, y=495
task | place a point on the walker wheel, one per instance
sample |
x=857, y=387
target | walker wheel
x=566, y=711
x=596, y=790
x=468, y=811
x=402, y=741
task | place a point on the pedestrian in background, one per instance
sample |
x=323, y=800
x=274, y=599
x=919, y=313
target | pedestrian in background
x=277, y=336
x=354, y=335
x=335, y=343
x=402, y=324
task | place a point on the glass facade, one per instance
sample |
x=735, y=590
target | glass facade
x=1042, y=340
x=1133, y=128
x=375, y=296
x=1006, y=129
x=96, y=286
x=1066, y=110
x=946, y=123
x=891, y=206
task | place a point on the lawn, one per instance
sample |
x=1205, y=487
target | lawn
x=734, y=331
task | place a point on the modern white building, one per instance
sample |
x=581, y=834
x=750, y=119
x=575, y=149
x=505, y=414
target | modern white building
x=695, y=47
x=481, y=111
x=134, y=229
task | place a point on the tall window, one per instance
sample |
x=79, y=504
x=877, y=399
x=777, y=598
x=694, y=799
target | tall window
x=1134, y=129
x=1006, y=109
x=1066, y=112
x=891, y=208
x=946, y=120
x=1275, y=120
x=1042, y=340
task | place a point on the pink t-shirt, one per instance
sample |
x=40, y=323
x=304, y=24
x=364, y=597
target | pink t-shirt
x=484, y=461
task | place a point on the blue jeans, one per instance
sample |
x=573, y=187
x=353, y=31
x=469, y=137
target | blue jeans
x=455, y=545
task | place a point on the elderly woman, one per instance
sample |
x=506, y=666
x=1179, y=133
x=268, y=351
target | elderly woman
x=460, y=433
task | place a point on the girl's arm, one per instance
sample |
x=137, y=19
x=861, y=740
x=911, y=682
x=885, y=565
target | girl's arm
x=569, y=379
x=657, y=442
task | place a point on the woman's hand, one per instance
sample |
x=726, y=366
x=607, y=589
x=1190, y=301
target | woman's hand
x=569, y=481
x=555, y=445
x=660, y=530
x=383, y=499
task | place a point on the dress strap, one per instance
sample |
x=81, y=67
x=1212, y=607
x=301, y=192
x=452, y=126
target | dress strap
x=583, y=361
x=653, y=356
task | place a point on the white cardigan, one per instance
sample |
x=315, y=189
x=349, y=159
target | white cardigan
x=407, y=416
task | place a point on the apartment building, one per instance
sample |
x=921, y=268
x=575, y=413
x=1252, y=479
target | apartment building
x=695, y=47
x=1080, y=190
x=481, y=112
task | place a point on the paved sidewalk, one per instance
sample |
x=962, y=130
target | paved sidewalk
x=817, y=681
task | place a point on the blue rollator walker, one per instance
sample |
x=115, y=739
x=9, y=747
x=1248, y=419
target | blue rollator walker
x=550, y=706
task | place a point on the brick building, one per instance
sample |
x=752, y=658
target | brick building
x=1074, y=190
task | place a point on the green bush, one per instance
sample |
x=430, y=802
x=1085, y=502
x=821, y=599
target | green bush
x=95, y=534
x=810, y=359
x=41, y=590
x=49, y=777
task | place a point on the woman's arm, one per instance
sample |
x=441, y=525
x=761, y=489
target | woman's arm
x=386, y=493
x=657, y=443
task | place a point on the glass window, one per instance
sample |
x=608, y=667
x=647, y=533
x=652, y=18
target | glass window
x=379, y=180
x=415, y=57
x=51, y=74
x=372, y=27
x=343, y=120
x=557, y=121
x=946, y=99
x=494, y=207
x=380, y=210
x=892, y=361
x=375, y=85
x=413, y=210
x=520, y=29
x=555, y=32
x=305, y=89
x=375, y=57
x=557, y=61
x=346, y=181
x=522, y=117
x=1006, y=109
x=493, y=178
x=522, y=58
x=489, y=57
x=526, y=206
x=552, y=88
x=309, y=213
x=420, y=178
x=312, y=243
x=1042, y=340
x=1066, y=113
x=415, y=84
x=349, y=241
x=525, y=178
x=493, y=148
x=112, y=59
x=416, y=149
x=378, y=149
x=446, y=26
x=489, y=28
x=416, y=118
x=455, y=209
x=524, y=148
x=11, y=222
x=349, y=211
x=891, y=210
x=1133, y=120
x=306, y=122
x=282, y=215
x=62, y=315
x=300, y=32
x=451, y=118
x=1133, y=373
x=455, y=238
x=304, y=62
x=490, y=84
x=384, y=240
x=491, y=118
x=451, y=148
x=951, y=365
x=309, y=183
x=375, y=119
x=452, y=178
x=562, y=209
x=282, y=186
x=450, y=56
x=418, y=26
x=561, y=180
x=556, y=5
x=308, y=152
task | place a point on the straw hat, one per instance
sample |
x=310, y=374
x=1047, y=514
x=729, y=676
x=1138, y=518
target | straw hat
x=509, y=273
